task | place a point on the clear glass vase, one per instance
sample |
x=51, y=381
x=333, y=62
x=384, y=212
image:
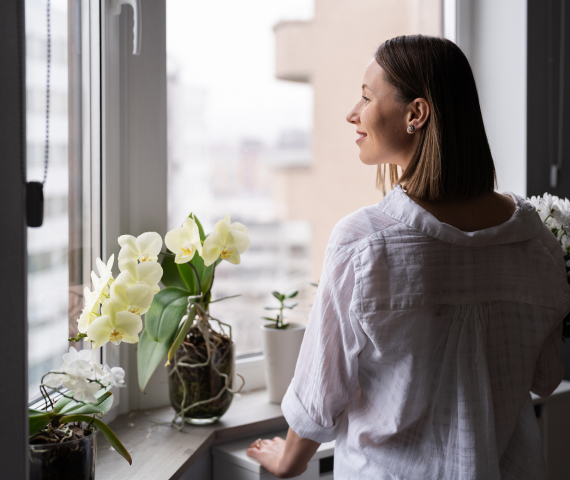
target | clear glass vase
x=73, y=460
x=208, y=385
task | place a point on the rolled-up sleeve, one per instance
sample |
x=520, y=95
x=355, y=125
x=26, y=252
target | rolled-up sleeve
x=549, y=370
x=326, y=375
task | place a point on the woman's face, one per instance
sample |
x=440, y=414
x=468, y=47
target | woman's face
x=381, y=122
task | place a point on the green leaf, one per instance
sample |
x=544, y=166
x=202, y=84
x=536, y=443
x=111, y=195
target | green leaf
x=149, y=356
x=276, y=294
x=166, y=310
x=293, y=305
x=62, y=402
x=188, y=276
x=38, y=419
x=171, y=275
x=102, y=406
x=272, y=308
x=270, y=319
x=293, y=294
x=200, y=228
x=181, y=335
x=109, y=435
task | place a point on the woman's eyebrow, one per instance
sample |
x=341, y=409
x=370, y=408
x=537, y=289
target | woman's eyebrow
x=367, y=87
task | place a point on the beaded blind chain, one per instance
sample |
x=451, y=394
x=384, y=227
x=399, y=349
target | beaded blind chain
x=34, y=190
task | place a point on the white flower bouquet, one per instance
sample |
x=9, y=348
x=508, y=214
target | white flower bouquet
x=555, y=213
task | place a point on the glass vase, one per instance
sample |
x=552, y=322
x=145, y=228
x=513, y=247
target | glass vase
x=208, y=384
x=73, y=460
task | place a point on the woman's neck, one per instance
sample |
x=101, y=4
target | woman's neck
x=472, y=214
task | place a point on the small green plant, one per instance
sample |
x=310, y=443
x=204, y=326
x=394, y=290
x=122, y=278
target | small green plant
x=279, y=319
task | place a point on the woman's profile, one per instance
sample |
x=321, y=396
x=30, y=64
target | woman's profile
x=439, y=309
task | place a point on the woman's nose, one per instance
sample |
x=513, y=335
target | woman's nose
x=352, y=116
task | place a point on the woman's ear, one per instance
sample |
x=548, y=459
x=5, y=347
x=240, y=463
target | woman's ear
x=418, y=113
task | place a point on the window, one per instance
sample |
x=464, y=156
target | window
x=60, y=252
x=232, y=128
x=257, y=97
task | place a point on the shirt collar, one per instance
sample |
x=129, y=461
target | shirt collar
x=524, y=223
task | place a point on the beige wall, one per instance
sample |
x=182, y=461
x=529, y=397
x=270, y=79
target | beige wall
x=331, y=52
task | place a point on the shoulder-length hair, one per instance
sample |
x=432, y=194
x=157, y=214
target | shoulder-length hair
x=453, y=159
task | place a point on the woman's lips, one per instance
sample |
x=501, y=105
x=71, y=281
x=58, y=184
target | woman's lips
x=361, y=136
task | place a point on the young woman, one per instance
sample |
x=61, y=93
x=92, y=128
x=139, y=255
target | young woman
x=439, y=309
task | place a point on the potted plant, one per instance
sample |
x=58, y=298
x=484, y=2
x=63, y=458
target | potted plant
x=281, y=345
x=62, y=434
x=199, y=347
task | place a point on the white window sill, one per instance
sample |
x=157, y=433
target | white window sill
x=160, y=452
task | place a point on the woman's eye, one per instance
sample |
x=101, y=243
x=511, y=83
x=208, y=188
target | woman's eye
x=366, y=99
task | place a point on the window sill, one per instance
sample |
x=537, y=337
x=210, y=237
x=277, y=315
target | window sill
x=160, y=452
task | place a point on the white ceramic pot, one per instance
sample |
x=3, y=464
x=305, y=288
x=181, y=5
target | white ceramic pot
x=281, y=349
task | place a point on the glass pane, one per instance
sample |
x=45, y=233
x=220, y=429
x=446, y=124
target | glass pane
x=258, y=93
x=54, y=296
x=231, y=125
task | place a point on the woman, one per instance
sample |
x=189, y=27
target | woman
x=438, y=309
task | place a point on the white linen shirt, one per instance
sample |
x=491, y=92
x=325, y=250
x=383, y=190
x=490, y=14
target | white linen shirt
x=423, y=344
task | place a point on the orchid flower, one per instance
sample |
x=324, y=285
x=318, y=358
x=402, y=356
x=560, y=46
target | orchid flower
x=101, y=284
x=89, y=313
x=144, y=248
x=148, y=273
x=184, y=241
x=76, y=374
x=228, y=241
x=115, y=325
x=135, y=299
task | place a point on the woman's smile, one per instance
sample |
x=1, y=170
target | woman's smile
x=361, y=136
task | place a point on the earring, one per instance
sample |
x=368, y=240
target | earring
x=411, y=128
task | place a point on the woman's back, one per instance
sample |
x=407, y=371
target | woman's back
x=424, y=342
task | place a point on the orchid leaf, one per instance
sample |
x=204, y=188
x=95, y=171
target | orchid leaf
x=109, y=434
x=163, y=317
x=102, y=406
x=200, y=228
x=171, y=275
x=188, y=276
x=38, y=419
x=149, y=356
x=184, y=329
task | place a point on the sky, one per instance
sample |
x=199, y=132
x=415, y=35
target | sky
x=227, y=47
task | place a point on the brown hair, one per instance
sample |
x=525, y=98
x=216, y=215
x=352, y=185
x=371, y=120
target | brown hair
x=453, y=159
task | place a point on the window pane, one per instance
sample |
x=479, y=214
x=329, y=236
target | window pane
x=54, y=249
x=258, y=93
x=232, y=124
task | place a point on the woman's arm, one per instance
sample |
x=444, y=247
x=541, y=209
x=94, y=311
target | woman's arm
x=284, y=458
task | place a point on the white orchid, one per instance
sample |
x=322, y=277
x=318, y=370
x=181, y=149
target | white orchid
x=144, y=248
x=115, y=325
x=113, y=376
x=77, y=374
x=184, y=241
x=89, y=313
x=147, y=273
x=228, y=241
x=135, y=299
x=102, y=283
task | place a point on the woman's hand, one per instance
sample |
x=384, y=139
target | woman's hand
x=269, y=453
x=284, y=459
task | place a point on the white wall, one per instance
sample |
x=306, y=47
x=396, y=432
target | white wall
x=493, y=35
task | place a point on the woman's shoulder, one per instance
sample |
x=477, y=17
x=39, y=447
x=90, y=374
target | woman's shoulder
x=360, y=226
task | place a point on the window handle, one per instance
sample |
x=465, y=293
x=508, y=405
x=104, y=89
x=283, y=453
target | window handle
x=116, y=6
